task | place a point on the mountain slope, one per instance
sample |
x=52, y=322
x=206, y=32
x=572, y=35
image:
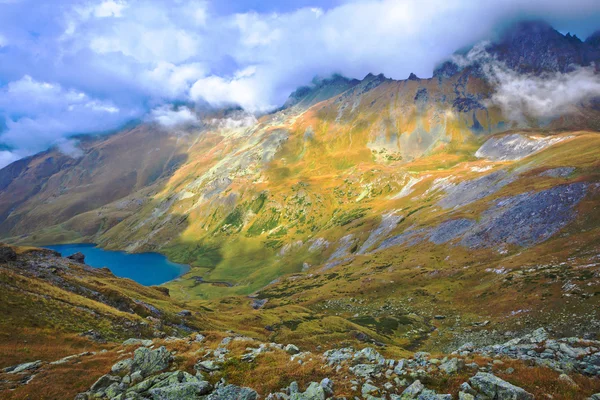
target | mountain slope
x=343, y=167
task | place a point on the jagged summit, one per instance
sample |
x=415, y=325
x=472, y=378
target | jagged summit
x=536, y=47
x=319, y=90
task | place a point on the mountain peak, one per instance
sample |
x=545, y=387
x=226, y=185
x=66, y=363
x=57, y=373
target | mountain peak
x=320, y=89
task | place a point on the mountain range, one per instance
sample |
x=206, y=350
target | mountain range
x=416, y=214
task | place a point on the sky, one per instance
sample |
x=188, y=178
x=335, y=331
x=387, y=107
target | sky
x=86, y=66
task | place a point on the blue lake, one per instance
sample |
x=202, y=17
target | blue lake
x=145, y=268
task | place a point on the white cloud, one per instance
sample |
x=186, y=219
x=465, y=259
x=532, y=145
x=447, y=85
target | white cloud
x=8, y=157
x=42, y=114
x=521, y=95
x=94, y=63
x=170, y=117
x=109, y=8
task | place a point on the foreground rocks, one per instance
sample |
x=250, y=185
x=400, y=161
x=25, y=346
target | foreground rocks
x=565, y=355
x=143, y=377
x=150, y=373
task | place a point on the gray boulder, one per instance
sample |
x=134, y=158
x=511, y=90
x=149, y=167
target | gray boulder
x=77, y=257
x=23, y=367
x=314, y=391
x=181, y=391
x=148, y=362
x=497, y=389
x=452, y=366
x=412, y=391
x=232, y=392
x=122, y=366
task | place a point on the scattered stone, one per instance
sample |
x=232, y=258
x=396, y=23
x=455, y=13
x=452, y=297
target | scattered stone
x=412, y=391
x=138, y=342
x=496, y=388
x=147, y=362
x=207, y=366
x=29, y=366
x=292, y=349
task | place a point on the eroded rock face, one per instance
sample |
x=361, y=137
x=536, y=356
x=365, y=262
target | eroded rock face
x=514, y=147
x=495, y=388
x=528, y=218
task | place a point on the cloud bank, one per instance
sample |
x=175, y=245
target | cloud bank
x=79, y=66
x=521, y=96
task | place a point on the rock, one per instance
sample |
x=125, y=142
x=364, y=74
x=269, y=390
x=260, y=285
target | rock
x=291, y=349
x=595, y=396
x=369, y=354
x=440, y=317
x=207, y=366
x=399, y=368
x=366, y=370
x=368, y=389
x=327, y=385
x=138, y=342
x=452, y=366
x=24, y=367
x=69, y=358
x=498, y=389
x=412, y=391
x=93, y=335
x=199, y=337
x=232, y=392
x=148, y=361
x=122, y=366
x=257, y=304
x=185, y=313
x=104, y=382
x=314, y=392
x=77, y=257
x=465, y=396
x=568, y=380
x=427, y=394
x=539, y=335
x=7, y=254
x=181, y=391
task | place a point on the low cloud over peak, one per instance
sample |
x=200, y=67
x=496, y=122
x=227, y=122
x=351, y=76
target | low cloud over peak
x=94, y=65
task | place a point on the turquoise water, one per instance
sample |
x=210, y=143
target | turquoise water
x=145, y=268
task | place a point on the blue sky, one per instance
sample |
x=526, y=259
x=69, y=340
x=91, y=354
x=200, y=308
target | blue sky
x=82, y=66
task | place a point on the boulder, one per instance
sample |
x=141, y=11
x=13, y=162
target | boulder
x=412, y=391
x=292, y=349
x=314, y=391
x=232, y=392
x=103, y=383
x=452, y=366
x=185, y=313
x=181, y=391
x=539, y=335
x=498, y=389
x=366, y=370
x=77, y=257
x=24, y=367
x=138, y=342
x=7, y=254
x=147, y=362
x=122, y=366
x=369, y=354
x=207, y=366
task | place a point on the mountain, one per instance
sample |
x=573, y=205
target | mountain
x=418, y=214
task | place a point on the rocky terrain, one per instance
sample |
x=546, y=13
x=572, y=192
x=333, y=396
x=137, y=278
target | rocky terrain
x=147, y=370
